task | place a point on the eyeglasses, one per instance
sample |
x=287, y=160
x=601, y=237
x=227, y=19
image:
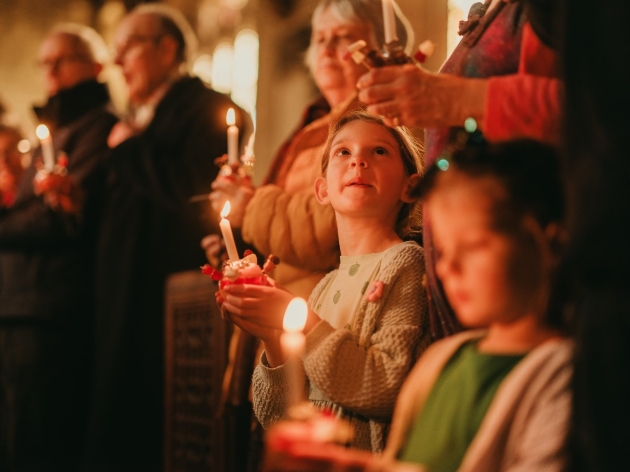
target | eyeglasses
x=55, y=62
x=119, y=50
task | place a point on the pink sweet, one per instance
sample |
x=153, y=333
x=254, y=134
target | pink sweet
x=243, y=271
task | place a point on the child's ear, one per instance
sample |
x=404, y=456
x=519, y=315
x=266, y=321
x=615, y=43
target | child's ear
x=410, y=189
x=321, y=191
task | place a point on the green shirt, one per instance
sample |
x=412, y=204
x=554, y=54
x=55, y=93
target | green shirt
x=455, y=408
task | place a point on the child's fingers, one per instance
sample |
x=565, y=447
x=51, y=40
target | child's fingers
x=251, y=327
x=244, y=307
x=259, y=292
x=229, y=306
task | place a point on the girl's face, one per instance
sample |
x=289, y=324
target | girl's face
x=487, y=277
x=365, y=175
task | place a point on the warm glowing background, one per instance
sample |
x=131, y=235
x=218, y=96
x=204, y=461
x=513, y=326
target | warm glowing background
x=247, y=48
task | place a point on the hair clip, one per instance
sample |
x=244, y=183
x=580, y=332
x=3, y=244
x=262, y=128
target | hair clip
x=442, y=163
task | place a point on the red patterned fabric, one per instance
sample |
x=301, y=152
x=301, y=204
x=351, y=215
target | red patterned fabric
x=527, y=104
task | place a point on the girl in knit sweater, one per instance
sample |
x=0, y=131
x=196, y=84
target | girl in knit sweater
x=496, y=398
x=368, y=319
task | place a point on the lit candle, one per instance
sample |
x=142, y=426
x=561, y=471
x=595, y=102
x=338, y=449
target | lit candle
x=389, y=20
x=48, y=152
x=232, y=137
x=292, y=342
x=226, y=231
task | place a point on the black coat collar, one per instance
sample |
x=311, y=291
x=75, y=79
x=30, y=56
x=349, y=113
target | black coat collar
x=68, y=105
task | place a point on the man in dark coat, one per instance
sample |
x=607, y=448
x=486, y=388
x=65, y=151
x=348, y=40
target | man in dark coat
x=163, y=154
x=47, y=266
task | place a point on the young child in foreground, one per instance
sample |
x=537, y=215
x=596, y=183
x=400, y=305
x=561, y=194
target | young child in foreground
x=495, y=398
x=368, y=320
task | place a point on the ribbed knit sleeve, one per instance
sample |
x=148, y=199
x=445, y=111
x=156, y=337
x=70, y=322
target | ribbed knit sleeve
x=270, y=384
x=294, y=227
x=269, y=388
x=362, y=370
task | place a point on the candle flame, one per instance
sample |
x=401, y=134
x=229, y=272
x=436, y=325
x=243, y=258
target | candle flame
x=42, y=132
x=295, y=316
x=24, y=146
x=230, y=118
x=226, y=210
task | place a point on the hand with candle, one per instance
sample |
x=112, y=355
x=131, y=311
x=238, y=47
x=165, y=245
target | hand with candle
x=411, y=96
x=48, y=151
x=260, y=311
x=60, y=192
x=239, y=192
x=270, y=337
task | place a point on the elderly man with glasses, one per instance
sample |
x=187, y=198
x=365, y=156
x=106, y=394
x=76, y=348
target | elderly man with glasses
x=47, y=264
x=163, y=153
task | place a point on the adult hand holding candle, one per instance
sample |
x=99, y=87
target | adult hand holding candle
x=292, y=342
x=389, y=21
x=226, y=231
x=48, y=151
x=232, y=137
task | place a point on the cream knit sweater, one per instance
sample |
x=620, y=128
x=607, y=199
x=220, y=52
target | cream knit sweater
x=362, y=369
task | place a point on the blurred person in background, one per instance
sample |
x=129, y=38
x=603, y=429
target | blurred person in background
x=11, y=169
x=47, y=264
x=163, y=153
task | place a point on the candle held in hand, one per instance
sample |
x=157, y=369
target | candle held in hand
x=293, y=342
x=232, y=137
x=389, y=21
x=48, y=151
x=226, y=231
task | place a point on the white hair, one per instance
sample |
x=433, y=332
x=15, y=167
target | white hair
x=89, y=39
x=174, y=24
x=368, y=12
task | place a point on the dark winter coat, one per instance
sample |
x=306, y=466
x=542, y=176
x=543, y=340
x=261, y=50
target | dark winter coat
x=150, y=230
x=46, y=256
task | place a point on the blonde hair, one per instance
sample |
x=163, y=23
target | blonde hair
x=409, y=220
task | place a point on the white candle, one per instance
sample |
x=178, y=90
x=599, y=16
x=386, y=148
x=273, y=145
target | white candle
x=292, y=342
x=389, y=21
x=226, y=231
x=48, y=151
x=232, y=137
x=249, y=149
